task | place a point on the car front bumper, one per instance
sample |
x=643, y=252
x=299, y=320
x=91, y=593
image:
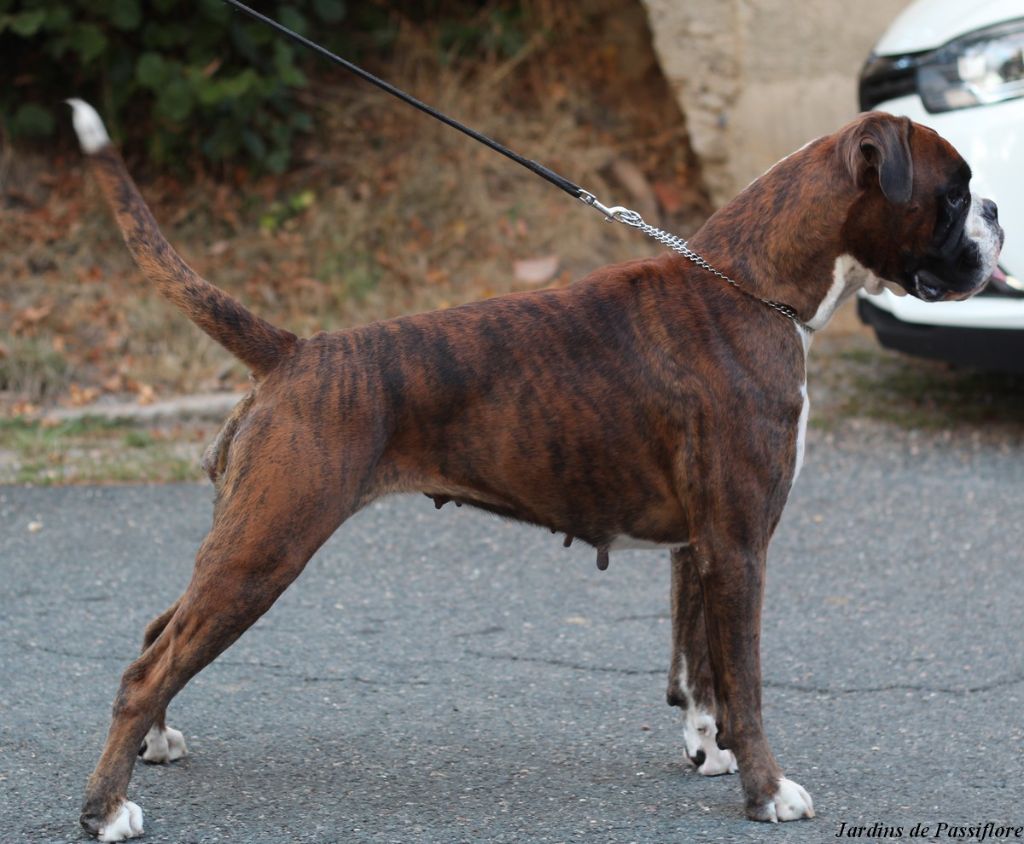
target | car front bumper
x=967, y=342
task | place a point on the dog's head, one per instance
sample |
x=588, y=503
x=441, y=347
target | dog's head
x=915, y=223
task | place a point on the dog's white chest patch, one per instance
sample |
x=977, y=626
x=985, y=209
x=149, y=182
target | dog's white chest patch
x=847, y=275
x=805, y=410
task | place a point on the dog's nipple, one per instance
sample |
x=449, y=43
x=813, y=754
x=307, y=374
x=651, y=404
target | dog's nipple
x=602, y=558
x=568, y=541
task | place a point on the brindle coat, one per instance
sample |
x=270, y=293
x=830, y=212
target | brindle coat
x=649, y=399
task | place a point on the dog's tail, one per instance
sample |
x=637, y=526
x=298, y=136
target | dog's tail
x=255, y=342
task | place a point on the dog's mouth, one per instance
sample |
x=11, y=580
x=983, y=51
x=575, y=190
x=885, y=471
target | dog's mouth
x=964, y=273
x=928, y=287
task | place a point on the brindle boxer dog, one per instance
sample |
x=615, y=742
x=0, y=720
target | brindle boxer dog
x=648, y=404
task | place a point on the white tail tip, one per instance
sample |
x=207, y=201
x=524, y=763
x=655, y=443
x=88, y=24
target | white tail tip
x=92, y=134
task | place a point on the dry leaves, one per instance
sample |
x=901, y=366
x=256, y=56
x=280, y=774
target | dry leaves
x=78, y=395
x=28, y=318
x=536, y=271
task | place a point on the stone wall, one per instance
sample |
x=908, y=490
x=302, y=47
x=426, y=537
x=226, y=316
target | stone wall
x=757, y=79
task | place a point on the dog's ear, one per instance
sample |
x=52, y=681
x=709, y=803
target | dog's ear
x=879, y=144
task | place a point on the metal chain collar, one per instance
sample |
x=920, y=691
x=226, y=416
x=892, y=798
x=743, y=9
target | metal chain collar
x=618, y=214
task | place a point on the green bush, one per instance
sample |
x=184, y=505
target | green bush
x=169, y=77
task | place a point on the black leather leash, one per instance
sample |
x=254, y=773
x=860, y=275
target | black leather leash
x=615, y=213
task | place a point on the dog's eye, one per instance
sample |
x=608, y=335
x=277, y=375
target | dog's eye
x=956, y=200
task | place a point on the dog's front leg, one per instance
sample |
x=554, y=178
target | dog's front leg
x=732, y=581
x=690, y=685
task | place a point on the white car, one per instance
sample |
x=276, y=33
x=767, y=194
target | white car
x=959, y=67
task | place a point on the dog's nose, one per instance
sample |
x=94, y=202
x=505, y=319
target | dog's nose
x=698, y=758
x=989, y=210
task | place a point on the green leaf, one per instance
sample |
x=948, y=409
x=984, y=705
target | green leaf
x=254, y=144
x=222, y=143
x=301, y=201
x=277, y=161
x=302, y=121
x=240, y=84
x=125, y=14
x=330, y=11
x=290, y=17
x=216, y=10
x=151, y=71
x=255, y=34
x=288, y=73
x=88, y=41
x=32, y=119
x=174, y=101
x=166, y=35
x=208, y=92
x=58, y=20
x=27, y=23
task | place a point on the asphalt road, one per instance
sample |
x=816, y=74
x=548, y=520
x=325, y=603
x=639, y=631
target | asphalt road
x=447, y=676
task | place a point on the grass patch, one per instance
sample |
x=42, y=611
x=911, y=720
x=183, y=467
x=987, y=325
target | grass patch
x=32, y=433
x=94, y=450
x=30, y=367
x=855, y=378
x=139, y=439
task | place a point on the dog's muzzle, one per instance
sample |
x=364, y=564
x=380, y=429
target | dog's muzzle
x=958, y=270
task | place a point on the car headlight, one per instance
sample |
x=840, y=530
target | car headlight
x=984, y=67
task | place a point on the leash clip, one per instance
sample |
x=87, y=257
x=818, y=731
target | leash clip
x=615, y=214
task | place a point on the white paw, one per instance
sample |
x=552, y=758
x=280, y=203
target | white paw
x=127, y=823
x=718, y=762
x=790, y=803
x=699, y=733
x=164, y=745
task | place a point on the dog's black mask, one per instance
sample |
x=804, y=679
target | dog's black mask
x=953, y=267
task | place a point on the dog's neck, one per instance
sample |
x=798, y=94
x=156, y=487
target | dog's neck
x=781, y=238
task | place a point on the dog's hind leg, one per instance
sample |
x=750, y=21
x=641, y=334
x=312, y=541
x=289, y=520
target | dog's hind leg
x=690, y=684
x=271, y=518
x=162, y=743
